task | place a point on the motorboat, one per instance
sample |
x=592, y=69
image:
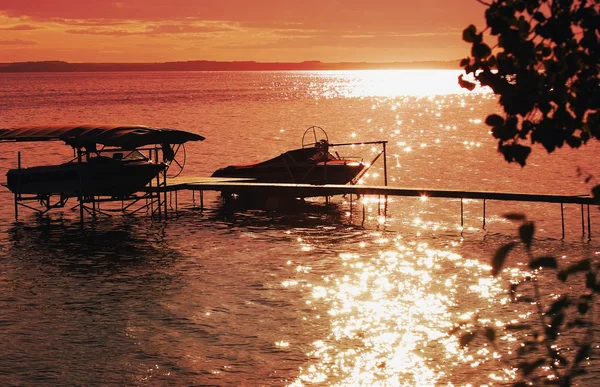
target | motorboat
x=118, y=169
x=96, y=176
x=313, y=163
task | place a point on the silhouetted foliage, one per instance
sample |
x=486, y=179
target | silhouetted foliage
x=544, y=66
x=557, y=338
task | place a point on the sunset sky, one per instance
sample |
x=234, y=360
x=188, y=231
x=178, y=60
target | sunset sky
x=233, y=30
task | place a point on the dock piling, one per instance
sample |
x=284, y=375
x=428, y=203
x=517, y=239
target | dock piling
x=562, y=218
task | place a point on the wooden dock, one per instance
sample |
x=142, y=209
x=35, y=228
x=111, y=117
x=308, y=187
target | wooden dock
x=243, y=186
x=266, y=190
x=155, y=199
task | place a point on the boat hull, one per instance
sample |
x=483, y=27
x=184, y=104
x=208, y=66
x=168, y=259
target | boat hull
x=99, y=178
x=336, y=172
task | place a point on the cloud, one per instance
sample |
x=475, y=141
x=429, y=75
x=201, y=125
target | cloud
x=21, y=27
x=17, y=42
x=86, y=22
x=153, y=29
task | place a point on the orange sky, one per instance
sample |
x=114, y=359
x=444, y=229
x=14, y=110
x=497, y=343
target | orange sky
x=260, y=30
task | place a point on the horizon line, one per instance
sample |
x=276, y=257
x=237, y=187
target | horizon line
x=212, y=65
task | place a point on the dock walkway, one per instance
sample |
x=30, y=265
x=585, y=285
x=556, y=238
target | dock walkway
x=249, y=187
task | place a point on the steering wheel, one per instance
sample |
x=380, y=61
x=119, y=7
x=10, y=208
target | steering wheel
x=175, y=166
x=311, y=137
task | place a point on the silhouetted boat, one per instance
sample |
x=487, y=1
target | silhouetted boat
x=311, y=164
x=117, y=170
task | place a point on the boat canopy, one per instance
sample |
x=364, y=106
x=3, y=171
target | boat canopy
x=124, y=136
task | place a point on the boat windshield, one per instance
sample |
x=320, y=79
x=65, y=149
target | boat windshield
x=134, y=155
x=116, y=154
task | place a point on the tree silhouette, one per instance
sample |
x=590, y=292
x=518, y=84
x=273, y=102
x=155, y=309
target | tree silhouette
x=544, y=66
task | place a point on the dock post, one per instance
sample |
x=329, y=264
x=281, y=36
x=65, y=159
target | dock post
x=80, y=195
x=385, y=177
x=582, y=222
x=158, y=203
x=484, y=214
x=462, y=219
x=589, y=223
x=562, y=219
x=201, y=200
x=363, y=211
x=165, y=185
x=385, y=182
x=18, y=186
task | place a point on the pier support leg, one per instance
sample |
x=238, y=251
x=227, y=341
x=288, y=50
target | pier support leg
x=363, y=211
x=582, y=222
x=80, y=194
x=201, y=200
x=165, y=194
x=462, y=218
x=385, y=182
x=484, y=214
x=562, y=219
x=589, y=223
x=18, y=185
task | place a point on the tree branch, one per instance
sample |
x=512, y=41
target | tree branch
x=483, y=2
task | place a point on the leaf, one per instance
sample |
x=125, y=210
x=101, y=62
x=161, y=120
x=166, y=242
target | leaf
x=515, y=153
x=526, y=233
x=582, y=353
x=583, y=265
x=500, y=257
x=465, y=84
x=583, y=307
x=480, y=50
x=558, y=305
x=539, y=17
x=561, y=360
x=494, y=120
x=557, y=321
x=469, y=34
x=590, y=280
x=528, y=368
x=514, y=215
x=466, y=338
x=548, y=262
x=562, y=275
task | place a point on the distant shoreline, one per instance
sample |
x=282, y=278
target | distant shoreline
x=201, y=65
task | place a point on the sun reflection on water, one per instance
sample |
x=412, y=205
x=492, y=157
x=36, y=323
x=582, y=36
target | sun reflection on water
x=390, y=312
x=390, y=83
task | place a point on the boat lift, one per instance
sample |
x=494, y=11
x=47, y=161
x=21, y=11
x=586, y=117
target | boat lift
x=161, y=145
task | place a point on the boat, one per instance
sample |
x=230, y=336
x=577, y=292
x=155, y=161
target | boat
x=313, y=163
x=118, y=169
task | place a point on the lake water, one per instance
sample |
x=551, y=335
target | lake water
x=336, y=296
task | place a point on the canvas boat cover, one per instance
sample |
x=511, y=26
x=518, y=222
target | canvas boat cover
x=124, y=136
